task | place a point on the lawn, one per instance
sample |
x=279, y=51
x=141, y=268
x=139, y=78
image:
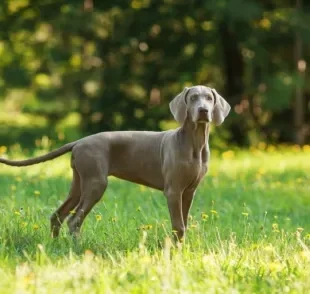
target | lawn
x=249, y=231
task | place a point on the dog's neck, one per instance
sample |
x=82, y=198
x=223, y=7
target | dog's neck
x=197, y=136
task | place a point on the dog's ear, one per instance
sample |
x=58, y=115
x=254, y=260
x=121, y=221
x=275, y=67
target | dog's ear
x=221, y=108
x=178, y=106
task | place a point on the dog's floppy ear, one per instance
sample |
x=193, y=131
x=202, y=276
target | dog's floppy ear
x=221, y=108
x=178, y=106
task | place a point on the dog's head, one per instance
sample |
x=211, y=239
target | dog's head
x=200, y=104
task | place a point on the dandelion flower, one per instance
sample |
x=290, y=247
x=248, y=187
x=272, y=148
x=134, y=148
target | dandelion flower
x=228, y=154
x=204, y=216
x=262, y=171
x=306, y=148
x=146, y=227
x=3, y=149
x=98, y=217
x=275, y=228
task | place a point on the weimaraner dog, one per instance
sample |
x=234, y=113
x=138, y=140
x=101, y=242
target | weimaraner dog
x=172, y=161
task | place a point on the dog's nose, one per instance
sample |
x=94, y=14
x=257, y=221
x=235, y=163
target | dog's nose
x=203, y=110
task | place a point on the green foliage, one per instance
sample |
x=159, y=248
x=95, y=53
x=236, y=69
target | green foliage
x=119, y=63
x=280, y=85
x=248, y=231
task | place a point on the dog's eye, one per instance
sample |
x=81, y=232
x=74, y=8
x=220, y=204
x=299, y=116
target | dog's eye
x=194, y=97
x=209, y=98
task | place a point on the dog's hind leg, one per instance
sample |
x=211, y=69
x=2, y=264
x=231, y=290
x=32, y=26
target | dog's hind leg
x=93, y=176
x=92, y=191
x=71, y=202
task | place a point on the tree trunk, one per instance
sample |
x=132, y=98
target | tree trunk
x=299, y=95
x=233, y=63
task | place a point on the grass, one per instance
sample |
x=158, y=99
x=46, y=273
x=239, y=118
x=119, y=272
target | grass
x=249, y=231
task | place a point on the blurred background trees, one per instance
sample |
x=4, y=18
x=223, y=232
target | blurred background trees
x=70, y=68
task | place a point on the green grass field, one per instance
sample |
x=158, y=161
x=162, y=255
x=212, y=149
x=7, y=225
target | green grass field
x=249, y=231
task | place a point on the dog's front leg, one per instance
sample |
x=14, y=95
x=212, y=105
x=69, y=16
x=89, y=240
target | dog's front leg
x=174, y=200
x=187, y=199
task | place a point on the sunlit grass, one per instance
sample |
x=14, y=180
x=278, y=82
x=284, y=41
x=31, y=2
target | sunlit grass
x=249, y=230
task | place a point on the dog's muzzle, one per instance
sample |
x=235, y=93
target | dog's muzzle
x=203, y=115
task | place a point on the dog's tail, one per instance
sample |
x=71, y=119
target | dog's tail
x=49, y=156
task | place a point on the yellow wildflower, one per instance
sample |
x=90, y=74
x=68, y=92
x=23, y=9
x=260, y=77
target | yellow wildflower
x=228, y=154
x=204, y=216
x=3, y=149
x=275, y=228
x=306, y=148
x=146, y=227
x=261, y=171
x=35, y=227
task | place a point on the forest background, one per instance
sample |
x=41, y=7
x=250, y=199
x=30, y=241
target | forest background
x=72, y=68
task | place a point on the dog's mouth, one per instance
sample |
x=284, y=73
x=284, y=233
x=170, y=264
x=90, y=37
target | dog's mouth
x=203, y=118
x=203, y=121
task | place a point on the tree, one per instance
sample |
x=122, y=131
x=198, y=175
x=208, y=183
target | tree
x=119, y=63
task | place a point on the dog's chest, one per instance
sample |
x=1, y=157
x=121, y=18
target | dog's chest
x=194, y=172
x=198, y=167
x=198, y=163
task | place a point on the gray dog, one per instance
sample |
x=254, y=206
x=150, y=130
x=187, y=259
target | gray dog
x=173, y=161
